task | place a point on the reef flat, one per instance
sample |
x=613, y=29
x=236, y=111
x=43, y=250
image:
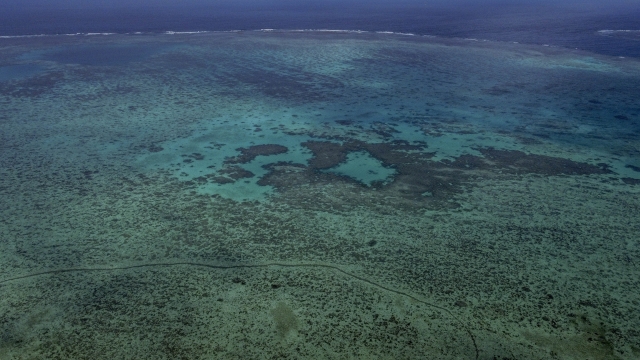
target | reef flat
x=317, y=195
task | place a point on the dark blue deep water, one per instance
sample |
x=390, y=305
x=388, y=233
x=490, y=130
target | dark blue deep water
x=572, y=26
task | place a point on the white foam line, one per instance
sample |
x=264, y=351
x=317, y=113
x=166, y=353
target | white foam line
x=23, y=36
x=171, y=32
x=185, y=32
x=51, y=35
x=396, y=33
x=344, y=31
x=615, y=31
x=324, y=30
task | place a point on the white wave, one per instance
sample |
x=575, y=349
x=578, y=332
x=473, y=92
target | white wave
x=329, y=30
x=22, y=36
x=618, y=31
x=622, y=34
x=172, y=32
x=52, y=35
x=185, y=32
x=395, y=33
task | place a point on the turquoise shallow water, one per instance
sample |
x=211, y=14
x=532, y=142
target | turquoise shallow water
x=316, y=194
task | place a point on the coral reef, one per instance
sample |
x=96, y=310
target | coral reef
x=144, y=216
x=250, y=153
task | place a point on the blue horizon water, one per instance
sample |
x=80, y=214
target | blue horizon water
x=610, y=31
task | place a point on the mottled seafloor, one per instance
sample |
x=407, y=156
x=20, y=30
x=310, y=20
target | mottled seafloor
x=261, y=195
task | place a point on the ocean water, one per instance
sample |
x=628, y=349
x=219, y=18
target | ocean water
x=609, y=28
x=356, y=193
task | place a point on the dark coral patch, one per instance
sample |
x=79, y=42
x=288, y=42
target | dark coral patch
x=384, y=130
x=221, y=180
x=520, y=162
x=282, y=83
x=88, y=174
x=229, y=175
x=33, y=86
x=188, y=158
x=469, y=162
x=528, y=141
x=604, y=165
x=631, y=181
x=285, y=175
x=634, y=168
x=416, y=173
x=250, y=153
x=396, y=154
x=236, y=172
x=201, y=180
x=419, y=180
x=327, y=154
